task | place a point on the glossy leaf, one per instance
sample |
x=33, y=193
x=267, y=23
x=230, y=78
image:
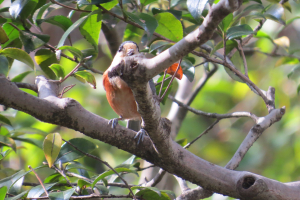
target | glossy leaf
x=196, y=7
x=92, y=2
x=176, y=13
x=146, y=21
x=68, y=153
x=20, y=77
x=51, y=147
x=3, y=37
x=188, y=69
x=238, y=31
x=65, y=195
x=76, y=52
x=5, y=120
x=110, y=5
x=90, y=29
x=32, y=141
x=172, y=69
x=58, y=70
x=37, y=191
x=44, y=58
x=16, y=7
x=43, y=11
x=58, y=20
x=12, y=34
x=33, y=41
x=127, y=164
x=158, y=44
x=18, y=54
x=169, y=26
x=9, y=181
x=4, y=68
x=70, y=29
x=276, y=13
x=3, y=191
x=27, y=130
x=224, y=25
x=132, y=33
x=87, y=76
x=111, y=172
x=17, y=197
x=102, y=189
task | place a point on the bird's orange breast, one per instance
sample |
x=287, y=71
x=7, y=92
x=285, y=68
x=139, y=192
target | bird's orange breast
x=120, y=97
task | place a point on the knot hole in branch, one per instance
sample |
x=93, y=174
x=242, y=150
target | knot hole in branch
x=248, y=182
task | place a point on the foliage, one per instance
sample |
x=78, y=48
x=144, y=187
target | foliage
x=27, y=27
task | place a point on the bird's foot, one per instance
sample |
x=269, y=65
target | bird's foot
x=114, y=122
x=140, y=135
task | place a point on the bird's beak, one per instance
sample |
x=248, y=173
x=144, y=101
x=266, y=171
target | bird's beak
x=130, y=52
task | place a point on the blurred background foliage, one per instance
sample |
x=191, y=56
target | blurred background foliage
x=275, y=155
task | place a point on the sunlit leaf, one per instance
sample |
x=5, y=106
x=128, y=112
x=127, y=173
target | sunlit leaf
x=110, y=5
x=87, y=76
x=44, y=58
x=43, y=11
x=16, y=7
x=169, y=26
x=196, y=7
x=65, y=195
x=182, y=142
x=261, y=34
x=32, y=141
x=146, y=2
x=58, y=20
x=283, y=41
x=176, y=13
x=18, y=54
x=132, y=33
x=58, y=70
x=20, y=77
x=238, y=31
x=224, y=25
x=3, y=191
x=37, y=191
x=51, y=147
x=68, y=153
x=27, y=130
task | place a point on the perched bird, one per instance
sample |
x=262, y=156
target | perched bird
x=118, y=93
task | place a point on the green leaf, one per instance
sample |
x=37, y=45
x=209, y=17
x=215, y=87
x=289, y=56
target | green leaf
x=261, y=34
x=27, y=130
x=238, y=31
x=58, y=70
x=5, y=153
x=37, y=191
x=65, y=195
x=4, y=67
x=32, y=141
x=182, y=142
x=298, y=89
x=169, y=26
x=276, y=13
x=188, y=69
x=43, y=11
x=58, y=20
x=33, y=41
x=20, y=77
x=165, y=86
x=76, y=52
x=226, y=22
x=9, y=181
x=44, y=58
x=111, y=172
x=3, y=37
x=176, y=13
x=11, y=32
x=18, y=54
x=132, y=33
x=51, y=147
x=5, y=120
x=292, y=20
x=70, y=29
x=87, y=76
x=19, y=196
x=146, y=2
x=7, y=141
x=127, y=164
x=92, y=2
x=90, y=29
x=102, y=189
x=158, y=44
x=110, y=5
x=68, y=153
x=3, y=191
x=295, y=73
x=196, y=7
x=146, y=21
x=16, y=7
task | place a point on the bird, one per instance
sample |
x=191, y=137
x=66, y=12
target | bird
x=118, y=93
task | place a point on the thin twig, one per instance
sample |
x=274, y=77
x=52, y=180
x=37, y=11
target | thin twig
x=203, y=133
x=38, y=178
x=63, y=174
x=71, y=8
x=141, y=169
x=243, y=56
x=121, y=185
x=91, y=196
x=71, y=73
x=162, y=82
x=105, y=163
x=160, y=174
x=66, y=89
x=171, y=80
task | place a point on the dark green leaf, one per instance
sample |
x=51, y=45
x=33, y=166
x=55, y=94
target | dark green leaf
x=20, y=77
x=44, y=58
x=51, y=147
x=188, y=69
x=16, y=7
x=37, y=191
x=3, y=191
x=111, y=172
x=169, y=26
x=146, y=21
x=238, y=31
x=93, y=2
x=9, y=181
x=3, y=37
x=158, y=44
x=102, y=189
x=68, y=153
x=58, y=20
x=276, y=13
x=76, y=52
x=28, y=9
x=90, y=29
x=196, y=7
x=32, y=41
x=7, y=141
x=4, y=67
x=19, y=196
x=45, y=10
x=18, y=54
x=65, y=195
x=87, y=76
x=298, y=89
x=11, y=32
x=176, y=13
x=58, y=70
x=224, y=25
x=5, y=120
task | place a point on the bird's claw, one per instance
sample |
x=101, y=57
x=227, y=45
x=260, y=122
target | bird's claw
x=113, y=122
x=140, y=135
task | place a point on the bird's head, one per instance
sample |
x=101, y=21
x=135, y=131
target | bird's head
x=128, y=48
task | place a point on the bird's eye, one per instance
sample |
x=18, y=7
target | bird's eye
x=120, y=48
